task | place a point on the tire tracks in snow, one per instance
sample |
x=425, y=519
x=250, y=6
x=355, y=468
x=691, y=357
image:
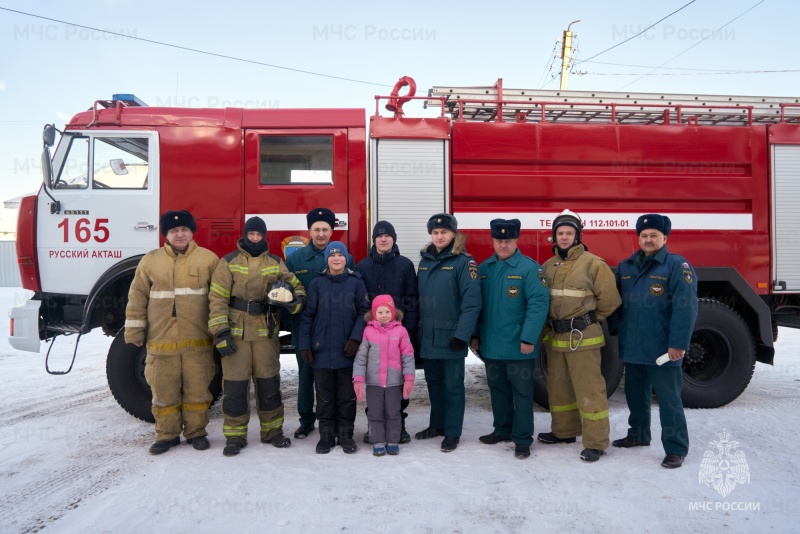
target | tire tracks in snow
x=25, y=410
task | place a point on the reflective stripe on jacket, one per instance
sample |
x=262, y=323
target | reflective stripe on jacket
x=168, y=299
x=247, y=277
x=580, y=284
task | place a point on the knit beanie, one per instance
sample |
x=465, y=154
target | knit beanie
x=255, y=224
x=335, y=247
x=383, y=300
x=384, y=227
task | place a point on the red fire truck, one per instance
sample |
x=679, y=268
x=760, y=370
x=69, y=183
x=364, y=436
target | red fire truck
x=725, y=169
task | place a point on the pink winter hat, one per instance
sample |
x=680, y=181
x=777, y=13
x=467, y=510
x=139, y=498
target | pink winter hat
x=383, y=300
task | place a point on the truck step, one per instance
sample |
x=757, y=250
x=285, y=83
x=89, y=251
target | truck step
x=64, y=328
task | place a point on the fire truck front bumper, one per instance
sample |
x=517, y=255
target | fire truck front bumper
x=24, y=327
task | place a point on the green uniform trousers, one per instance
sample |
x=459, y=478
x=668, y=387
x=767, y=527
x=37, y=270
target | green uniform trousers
x=305, y=391
x=640, y=382
x=445, y=379
x=511, y=390
x=179, y=383
x=259, y=361
x=577, y=393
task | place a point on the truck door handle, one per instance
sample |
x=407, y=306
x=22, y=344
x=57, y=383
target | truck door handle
x=144, y=227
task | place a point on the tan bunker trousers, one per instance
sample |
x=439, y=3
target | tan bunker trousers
x=259, y=360
x=577, y=394
x=181, y=397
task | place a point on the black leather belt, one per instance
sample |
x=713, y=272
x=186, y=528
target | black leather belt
x=253, y=307
x=576, y=323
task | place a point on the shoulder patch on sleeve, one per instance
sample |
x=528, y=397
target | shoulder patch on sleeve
x=542, y=278
x=473, y=269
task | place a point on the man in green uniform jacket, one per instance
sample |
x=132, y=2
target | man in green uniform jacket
x=515, y=304
x=449, y=305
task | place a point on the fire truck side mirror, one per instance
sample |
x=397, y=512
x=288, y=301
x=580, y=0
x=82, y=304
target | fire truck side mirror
x=49, y=135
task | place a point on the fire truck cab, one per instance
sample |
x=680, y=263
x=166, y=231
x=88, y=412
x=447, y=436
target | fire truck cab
x=725, y=169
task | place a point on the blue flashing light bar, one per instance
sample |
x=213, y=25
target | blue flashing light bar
x=128, y=99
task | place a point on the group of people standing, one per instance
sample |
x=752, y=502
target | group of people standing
x=358, y=328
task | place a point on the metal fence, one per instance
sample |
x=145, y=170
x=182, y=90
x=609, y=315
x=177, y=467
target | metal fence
x=9, y=272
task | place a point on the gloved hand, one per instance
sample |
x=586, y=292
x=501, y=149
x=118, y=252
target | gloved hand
x=359, y=387
x=457, y=344
x=224, y=343
x=408, y=387
x=350, y=348
x=307, y=356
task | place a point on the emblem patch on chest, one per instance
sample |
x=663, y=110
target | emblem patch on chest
x=656, y=290
x=513, y=291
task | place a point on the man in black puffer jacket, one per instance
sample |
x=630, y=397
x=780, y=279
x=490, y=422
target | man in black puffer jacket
x=386, y=272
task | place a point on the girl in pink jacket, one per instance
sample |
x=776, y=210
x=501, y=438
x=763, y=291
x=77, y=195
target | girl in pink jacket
x=385, y=364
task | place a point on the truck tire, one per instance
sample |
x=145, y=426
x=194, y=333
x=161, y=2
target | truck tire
x=721, y=357
x=125, y=373
x=611, y=366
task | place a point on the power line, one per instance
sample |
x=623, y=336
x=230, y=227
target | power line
x=641, y=32
x=697, y=43
x=709, y=73
x=671, y=68
x=549, y=66
x=198, y=51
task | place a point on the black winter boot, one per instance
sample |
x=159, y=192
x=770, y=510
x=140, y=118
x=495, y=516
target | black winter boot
x=550, y=438
x=429, y=432
x=160, y=447
x=200, y=443
x=233, y=446
x=278, y=440
x=450, y=443
x=326, y=443
x=348, y=443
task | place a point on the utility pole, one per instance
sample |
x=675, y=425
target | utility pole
x=566, y=48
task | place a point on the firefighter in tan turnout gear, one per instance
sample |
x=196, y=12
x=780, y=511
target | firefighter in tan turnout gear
x=583, y=292
x=168, y=307
x=246, y=289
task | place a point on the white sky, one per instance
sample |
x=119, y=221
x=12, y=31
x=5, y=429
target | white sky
x=49, y=71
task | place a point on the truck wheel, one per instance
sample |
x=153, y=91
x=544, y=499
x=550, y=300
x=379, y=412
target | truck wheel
x=721, y=357
x=610, y=365
x=125, y=373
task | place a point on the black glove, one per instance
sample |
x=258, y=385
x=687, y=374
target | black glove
x=224, y=343
x=457, y=344
x=307, y=356
x=350, y=348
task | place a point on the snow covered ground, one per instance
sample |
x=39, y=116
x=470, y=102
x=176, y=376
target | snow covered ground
x=73, y=461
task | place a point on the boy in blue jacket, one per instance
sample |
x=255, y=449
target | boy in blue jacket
x=330, y=333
